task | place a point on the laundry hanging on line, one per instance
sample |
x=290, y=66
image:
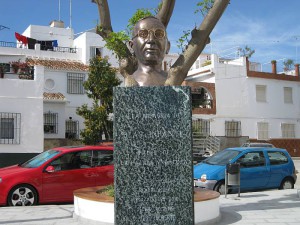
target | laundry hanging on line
x=21, y=38
x=45, y=45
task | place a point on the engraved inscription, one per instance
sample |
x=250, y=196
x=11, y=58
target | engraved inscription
x=153, y=156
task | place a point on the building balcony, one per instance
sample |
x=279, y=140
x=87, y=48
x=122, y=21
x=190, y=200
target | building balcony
x=42, y=47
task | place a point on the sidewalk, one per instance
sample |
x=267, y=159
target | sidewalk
x=258, y=208
x=279, y=207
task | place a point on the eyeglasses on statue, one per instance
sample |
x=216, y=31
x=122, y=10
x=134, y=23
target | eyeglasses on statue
x=144, y=33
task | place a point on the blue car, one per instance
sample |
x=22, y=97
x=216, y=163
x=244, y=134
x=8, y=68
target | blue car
x=260, y=168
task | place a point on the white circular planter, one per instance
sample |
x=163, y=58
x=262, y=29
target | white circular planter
x=88, y=205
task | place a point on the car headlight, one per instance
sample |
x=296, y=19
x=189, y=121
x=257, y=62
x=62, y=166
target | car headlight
x=203, y=178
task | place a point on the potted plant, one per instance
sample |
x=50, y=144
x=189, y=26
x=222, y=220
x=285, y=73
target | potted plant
x=15, y=66
x=20, y=67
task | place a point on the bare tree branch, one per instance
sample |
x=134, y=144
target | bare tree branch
x=128, y=64
x=105, y=21
x=200, y=37
x=166, y=11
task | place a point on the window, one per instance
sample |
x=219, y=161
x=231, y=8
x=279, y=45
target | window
x=233, y=128
x=5, y=67
x=10, y=127
x=277, y=158
x=95, y=51
x=72, y=129
x=262, y=131
x=288, y=130
x=201, y=98
x=73, y=160
x=261, y=93
x=288, y=95
x=50, y=123
x=102, y=158
x=252, y=159
x=201, y=126
x=75, y=83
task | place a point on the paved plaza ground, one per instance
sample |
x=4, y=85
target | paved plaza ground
x=276, y=207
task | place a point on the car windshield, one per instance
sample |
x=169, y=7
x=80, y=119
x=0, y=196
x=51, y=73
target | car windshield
x=40, y=159
x=221, y=158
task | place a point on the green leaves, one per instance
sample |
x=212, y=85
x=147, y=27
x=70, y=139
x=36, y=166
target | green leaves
x=183, y=40
x=288, y=63
x=204, y=7
x=99, y=87
x=246, y=51
x=139, y=14
x=116, y=43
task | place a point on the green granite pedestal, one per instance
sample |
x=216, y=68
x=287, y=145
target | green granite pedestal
x=153, y=156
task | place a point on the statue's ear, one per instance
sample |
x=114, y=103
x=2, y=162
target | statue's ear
x=130, y=44
x=168, y=47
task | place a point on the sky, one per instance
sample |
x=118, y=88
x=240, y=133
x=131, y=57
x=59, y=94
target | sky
x=270, y=27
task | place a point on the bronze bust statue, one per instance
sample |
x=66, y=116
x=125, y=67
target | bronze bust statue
x=150, y=44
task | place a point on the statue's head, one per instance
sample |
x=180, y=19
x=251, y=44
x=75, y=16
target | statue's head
x=149, y=41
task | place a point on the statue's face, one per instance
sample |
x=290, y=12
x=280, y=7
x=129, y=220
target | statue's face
x=149, y=41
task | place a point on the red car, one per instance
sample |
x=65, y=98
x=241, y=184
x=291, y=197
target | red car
x=53, y=175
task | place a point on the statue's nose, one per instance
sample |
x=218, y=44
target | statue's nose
x=151, y=36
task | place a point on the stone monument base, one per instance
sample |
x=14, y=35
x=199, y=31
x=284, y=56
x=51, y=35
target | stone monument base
x=91, y=206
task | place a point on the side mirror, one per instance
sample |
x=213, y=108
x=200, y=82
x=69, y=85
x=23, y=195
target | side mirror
x=50, y=169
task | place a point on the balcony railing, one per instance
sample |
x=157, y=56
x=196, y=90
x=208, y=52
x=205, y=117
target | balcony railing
x=8, y=44
x=43, y=48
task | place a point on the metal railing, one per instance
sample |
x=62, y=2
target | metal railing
x=8, y=44
x=204, y=144
x=55, y=49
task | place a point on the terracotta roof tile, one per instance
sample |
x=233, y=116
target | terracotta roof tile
x=54, y=96
x=58, y=64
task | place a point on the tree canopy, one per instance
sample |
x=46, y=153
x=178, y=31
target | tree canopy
x=246, y=51
x=288, y=63
x=99, y=87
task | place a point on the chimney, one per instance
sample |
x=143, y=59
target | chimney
x=274, y=67
x=57, y=23
x=297, y=70
x=247, y=64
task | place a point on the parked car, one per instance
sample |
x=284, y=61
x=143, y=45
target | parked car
x=53, y=175
x=254, y=144
x=260, y=168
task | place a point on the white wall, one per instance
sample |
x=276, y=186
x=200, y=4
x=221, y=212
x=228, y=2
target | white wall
x=25, y=97
x=236, y=100
x=64, y=36
x=91, y=39
x=64, y=109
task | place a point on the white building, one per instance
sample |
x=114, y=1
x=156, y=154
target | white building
x=44, y=105
x=242, y=101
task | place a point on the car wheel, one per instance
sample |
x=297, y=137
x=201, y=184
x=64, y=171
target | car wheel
x=220, y=187
x=287, y=183
x=22, y=195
